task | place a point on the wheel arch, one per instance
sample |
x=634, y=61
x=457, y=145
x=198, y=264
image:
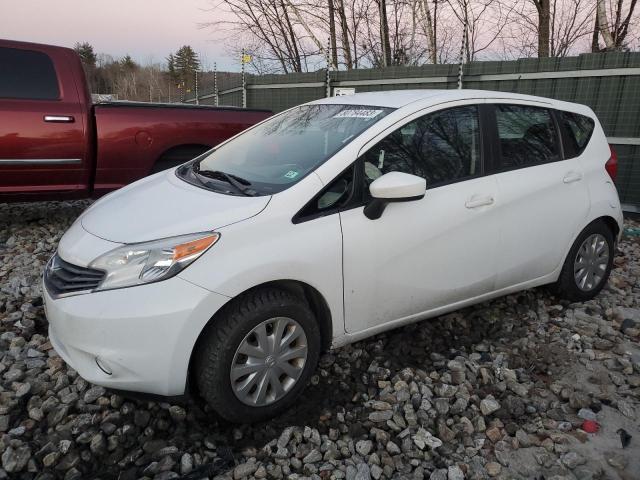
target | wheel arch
x=178, y=154
x=608, y=220
x=310, y=294
x=611, y=223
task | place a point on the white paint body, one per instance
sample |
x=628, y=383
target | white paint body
x=460, y=244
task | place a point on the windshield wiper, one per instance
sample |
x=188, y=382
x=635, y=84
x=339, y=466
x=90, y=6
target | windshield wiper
x=195, y=169
x=239, y=183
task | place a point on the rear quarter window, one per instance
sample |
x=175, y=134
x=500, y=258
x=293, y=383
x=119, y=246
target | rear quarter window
x=27, y=74
x=576, y=132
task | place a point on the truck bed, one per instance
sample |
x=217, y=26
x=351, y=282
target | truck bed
x=134, y=136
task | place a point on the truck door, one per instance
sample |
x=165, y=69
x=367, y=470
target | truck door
x=43, y=131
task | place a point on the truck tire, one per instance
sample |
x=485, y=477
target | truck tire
x=258, y=355
x=588, y=264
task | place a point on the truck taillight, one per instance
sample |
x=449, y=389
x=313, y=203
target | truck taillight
x=612, y=164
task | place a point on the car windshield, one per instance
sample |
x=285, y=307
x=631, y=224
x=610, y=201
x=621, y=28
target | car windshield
x=277, y=154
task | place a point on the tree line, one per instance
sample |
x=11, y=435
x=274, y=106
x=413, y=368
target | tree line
x=304, y=35
x=172, y=81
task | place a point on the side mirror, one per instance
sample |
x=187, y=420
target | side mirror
x=393, y=187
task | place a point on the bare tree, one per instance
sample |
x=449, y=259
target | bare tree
x=278, y=34
x=430, y=26
x=570, y=24
x=613, y=21
x=384, y=33
x=298, y=35
x=486, y=20
x=544, y=22
x=344, y=30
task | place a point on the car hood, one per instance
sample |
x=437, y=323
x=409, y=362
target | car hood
x=162, y=206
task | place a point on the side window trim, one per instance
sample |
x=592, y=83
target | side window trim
x=355, y=196
x=567, y=136
x=496, y=158
x=358, y=194
x=491, y=143
x=420, y=114
x=559, y=136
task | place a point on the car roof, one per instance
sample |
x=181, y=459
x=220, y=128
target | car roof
x=400, y=98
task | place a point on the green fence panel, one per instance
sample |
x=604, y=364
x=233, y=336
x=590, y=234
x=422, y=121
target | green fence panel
x=614, y=98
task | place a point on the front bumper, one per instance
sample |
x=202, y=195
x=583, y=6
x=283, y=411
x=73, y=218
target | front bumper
x=138, y=339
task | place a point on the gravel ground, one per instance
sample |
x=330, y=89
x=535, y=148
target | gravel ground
x=497, y=390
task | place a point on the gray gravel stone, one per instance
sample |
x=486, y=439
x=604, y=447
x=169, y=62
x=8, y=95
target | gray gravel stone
x=363, y=447
x=489, y=405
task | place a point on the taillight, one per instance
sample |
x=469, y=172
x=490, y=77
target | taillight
x=612, y=164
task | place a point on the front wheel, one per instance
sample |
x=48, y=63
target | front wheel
x=588, y=264
x=257, y=356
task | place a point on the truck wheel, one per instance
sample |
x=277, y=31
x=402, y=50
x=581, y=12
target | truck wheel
x=255, y=359
x=588, y=264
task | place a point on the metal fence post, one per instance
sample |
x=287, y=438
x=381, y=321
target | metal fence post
x=196, y=88
x=463, y=48
x=244, y=85
x=328, y=59
x=215, y=84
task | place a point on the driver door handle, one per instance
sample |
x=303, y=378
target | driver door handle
x=59, y=118
x=478, y=201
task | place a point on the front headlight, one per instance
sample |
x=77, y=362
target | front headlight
x=148, y=262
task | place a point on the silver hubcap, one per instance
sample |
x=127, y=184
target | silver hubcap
x=269, y=361
x=591, y=262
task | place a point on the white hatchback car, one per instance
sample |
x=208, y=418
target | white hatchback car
x=325, y=224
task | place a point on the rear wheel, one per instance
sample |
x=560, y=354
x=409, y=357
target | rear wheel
x=255, y=359
x=587, y=267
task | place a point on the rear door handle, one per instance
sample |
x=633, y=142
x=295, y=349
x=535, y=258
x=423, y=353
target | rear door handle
x=475, y=201
x=59, y=118
x=572, y=177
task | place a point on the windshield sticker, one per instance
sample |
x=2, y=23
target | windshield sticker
x=366, y=114
x=291, y=174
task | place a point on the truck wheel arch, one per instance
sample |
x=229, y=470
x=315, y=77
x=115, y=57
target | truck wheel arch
x=176, y=155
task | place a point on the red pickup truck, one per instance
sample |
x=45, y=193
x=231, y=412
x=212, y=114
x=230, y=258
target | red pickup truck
x=54, y=144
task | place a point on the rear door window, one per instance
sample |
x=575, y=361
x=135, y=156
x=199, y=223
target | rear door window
x=27, y=74
x=527, y=136
x=576, y=132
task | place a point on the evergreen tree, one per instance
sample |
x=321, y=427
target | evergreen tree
x=88, y=58
x=171, y=68
x=87, y=54
x=128, y=64
x=185, y=64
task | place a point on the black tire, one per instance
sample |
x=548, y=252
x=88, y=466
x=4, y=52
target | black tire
x=216, y=349
x=566, y=286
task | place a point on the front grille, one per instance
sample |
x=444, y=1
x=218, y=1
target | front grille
x=63, y=278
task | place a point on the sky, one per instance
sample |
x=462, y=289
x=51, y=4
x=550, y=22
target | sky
x=148, y=30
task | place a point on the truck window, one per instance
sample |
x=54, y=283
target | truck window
x=27, y=74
